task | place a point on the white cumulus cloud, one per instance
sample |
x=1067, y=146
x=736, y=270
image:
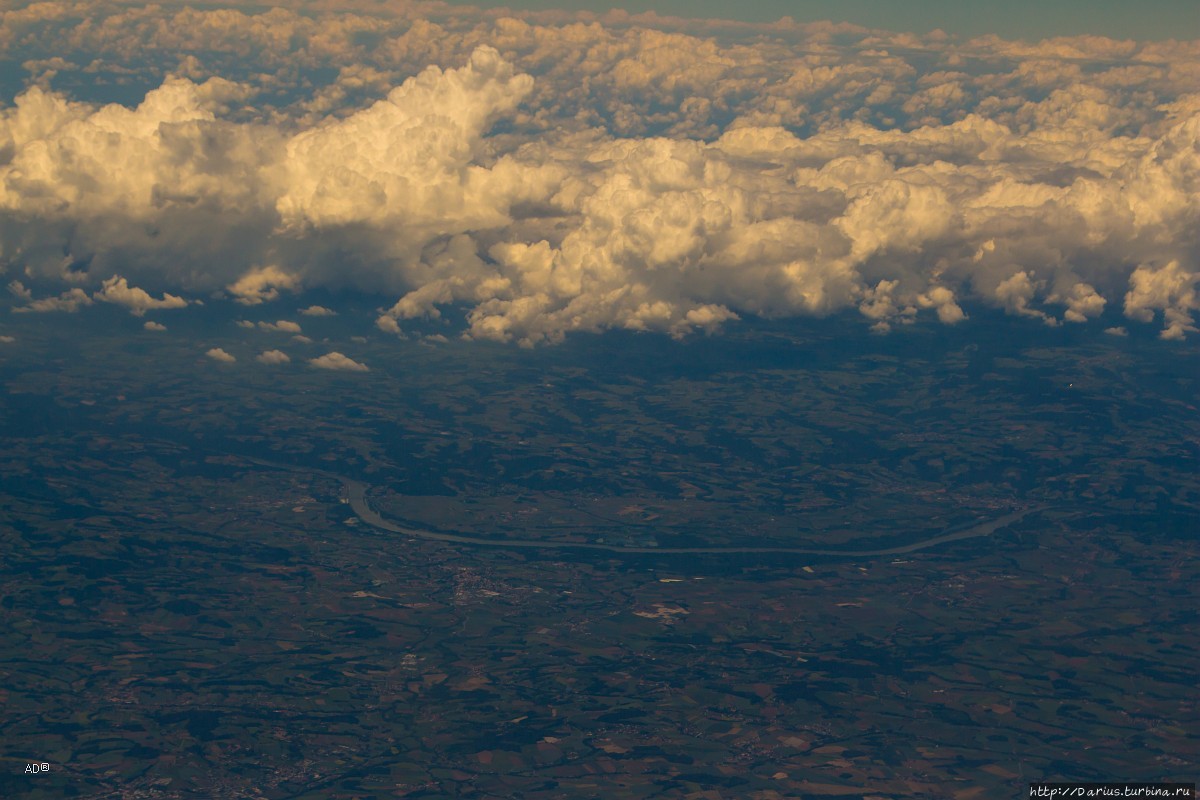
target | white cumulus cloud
x=1169, y=289
x=262, y=284
x=552, y=173
x=217, y=354
x=336, y=360
x=282, y=326
x=272, y=357
x=117, y=290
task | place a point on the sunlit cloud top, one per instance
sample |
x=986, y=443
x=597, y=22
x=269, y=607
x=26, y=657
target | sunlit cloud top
x=557, y=172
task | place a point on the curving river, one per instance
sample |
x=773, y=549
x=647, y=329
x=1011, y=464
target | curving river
x=356, y=493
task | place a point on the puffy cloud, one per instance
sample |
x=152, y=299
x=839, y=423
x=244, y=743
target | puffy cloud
x=282, y=326
x=6, y=339
x=1082, y=301
x=20, y=291
x=150, y=325
x=139, y=189
x=336, y=360
x=1016, y=292
x=217, y=354
x=262, y=284
x=1170, y=289
x=408, y=159
x=272, y=357
x=942, y=299
x=118, y=291
x=69, y=301
x=318, y=311
x=555, y=173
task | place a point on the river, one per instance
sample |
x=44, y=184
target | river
x=356, y=493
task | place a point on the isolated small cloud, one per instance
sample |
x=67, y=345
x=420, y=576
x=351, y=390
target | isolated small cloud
x=1118, y=330
x=154, y=326
x=117, y=290
x=245, y=323
x=272, y=357
x=7, y=339
x=262, y=284
x=217, y=354
x=281, y=326
x=336, y=360
x=318, y=311
x=300, y=339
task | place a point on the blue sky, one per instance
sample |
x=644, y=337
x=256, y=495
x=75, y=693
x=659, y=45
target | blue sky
x=1026, y=19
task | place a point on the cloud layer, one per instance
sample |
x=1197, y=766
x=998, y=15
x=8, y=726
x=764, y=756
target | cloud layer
x=561, y=173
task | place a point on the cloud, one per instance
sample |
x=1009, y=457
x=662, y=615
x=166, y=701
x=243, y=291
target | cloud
x=261, y=285
x=336, y=360
x=7, y=339
x=154, y=326
x=553, y=173
x=942, y=299
x=69, y=301
x=1082, y=301
x=217, y=354
x=1016, y=292
x=117, y=290
x=272, y=357
x=1170, y=289
x=407, y=160
x=282, y=326
x=20, y=291
x=318, y=311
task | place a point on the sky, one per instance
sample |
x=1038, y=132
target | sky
x=1018, y=19
x=545, y=174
